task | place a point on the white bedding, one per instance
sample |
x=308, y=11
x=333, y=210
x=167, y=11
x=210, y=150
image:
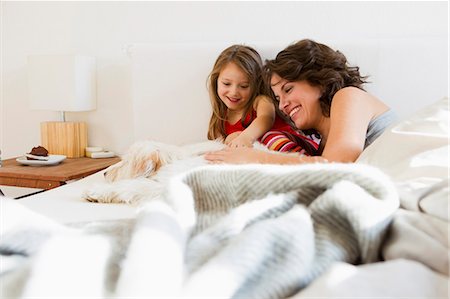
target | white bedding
x=413, y=153
x=266, y=236
x=64, y=204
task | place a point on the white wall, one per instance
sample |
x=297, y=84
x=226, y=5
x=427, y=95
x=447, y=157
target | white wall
x=103, y=29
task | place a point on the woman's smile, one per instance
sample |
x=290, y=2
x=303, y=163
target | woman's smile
x=293, y=112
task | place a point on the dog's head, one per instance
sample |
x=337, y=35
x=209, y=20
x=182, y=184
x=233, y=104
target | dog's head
x=143, y=159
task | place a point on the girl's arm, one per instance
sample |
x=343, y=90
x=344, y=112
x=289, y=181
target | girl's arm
x=265, y=111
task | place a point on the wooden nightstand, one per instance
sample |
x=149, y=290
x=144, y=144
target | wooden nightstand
x=15, y=174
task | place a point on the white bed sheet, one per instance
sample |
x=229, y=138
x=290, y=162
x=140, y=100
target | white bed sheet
x=65, y=204
x=415, y=153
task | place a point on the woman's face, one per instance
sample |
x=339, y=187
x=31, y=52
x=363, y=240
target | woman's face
x=299, y=100
x=233, y=87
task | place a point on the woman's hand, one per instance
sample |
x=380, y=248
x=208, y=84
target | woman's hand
x=240, y=155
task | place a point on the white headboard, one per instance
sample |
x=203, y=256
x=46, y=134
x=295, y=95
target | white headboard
x=170, y=97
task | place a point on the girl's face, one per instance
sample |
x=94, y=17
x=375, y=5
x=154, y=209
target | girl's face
x=233, y=87
x=299, y=100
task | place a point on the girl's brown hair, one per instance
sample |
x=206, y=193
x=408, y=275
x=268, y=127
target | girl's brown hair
x=247, y=59
x=317, y=64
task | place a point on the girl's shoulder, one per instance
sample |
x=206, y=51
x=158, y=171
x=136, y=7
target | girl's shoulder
x=261, y=99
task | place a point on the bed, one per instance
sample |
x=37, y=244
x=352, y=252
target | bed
x=376, y=228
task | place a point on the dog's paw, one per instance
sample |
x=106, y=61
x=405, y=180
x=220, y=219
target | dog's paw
x=132, y=191
x=101, y=193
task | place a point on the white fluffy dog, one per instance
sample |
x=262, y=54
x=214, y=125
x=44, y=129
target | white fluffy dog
x=145, y=169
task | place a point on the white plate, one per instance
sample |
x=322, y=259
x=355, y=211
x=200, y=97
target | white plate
x=52, y=160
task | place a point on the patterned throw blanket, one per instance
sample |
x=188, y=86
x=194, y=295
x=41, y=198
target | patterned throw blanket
x=250, y=231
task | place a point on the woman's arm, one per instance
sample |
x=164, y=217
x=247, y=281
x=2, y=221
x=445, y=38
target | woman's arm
x=265, y=111
x=350, y=114
x=246, y=155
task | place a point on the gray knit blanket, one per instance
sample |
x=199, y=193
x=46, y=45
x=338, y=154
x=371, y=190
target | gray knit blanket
x=250, y=231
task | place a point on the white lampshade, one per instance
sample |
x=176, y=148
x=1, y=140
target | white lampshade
x=62, y=82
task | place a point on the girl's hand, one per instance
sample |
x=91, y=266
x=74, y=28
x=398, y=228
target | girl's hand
x=231, y=137
x=240, y=155
x=240, y=140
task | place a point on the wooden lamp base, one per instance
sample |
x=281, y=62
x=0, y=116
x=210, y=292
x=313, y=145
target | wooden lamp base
x=64, y=138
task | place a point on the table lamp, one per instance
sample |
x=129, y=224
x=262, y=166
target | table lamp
x=62, y=83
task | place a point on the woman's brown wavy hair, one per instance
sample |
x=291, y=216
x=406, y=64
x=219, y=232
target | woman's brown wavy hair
x=250, y=62
x=319, y=65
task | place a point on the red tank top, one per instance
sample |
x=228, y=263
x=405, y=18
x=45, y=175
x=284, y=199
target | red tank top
x=278, y=125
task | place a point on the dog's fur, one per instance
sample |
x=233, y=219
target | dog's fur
x=145, y=169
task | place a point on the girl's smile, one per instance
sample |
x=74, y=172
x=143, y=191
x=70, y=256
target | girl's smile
x=233, y=87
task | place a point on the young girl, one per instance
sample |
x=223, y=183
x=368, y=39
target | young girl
x=242, y=112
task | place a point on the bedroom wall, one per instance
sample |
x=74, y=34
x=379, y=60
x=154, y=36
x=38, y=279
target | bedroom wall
x=104, y=29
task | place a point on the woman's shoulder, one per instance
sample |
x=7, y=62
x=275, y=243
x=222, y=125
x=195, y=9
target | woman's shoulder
x=355, y=95
x=350, y=91
x=355, y=99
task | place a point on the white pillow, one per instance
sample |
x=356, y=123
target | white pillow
x=415, y=154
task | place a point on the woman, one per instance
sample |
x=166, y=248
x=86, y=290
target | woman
x=317, y=89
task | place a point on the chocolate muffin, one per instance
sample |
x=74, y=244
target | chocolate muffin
x=37, y=153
